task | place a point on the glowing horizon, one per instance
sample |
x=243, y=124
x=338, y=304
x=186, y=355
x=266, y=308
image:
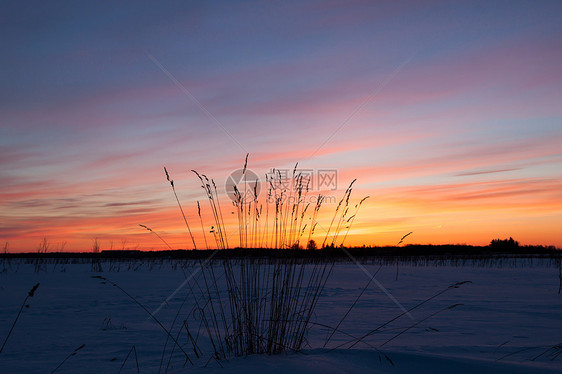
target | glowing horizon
x=447, y=114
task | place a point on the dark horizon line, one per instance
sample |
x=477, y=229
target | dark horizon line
x=406, y=250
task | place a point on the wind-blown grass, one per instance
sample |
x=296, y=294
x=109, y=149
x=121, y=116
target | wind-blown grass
x=30, y=294
x=268, y=304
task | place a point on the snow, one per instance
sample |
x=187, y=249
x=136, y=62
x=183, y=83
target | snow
x=362, y=361
x=509, y=307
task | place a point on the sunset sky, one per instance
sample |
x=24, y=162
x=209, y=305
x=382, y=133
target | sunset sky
x=449, y=114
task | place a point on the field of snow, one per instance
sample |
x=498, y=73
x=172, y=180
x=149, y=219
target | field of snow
x=509, y=319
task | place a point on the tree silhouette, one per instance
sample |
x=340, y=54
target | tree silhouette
x=504, y=243
x=311, y=246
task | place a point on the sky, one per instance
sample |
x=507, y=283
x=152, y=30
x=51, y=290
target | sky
x=448, y=114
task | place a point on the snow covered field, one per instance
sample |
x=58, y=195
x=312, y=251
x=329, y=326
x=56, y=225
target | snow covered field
x=511, y=313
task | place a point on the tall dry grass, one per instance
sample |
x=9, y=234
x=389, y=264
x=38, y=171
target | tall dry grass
x=254, y=305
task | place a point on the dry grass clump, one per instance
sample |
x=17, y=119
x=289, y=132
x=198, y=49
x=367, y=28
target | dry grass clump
x=254, y=305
